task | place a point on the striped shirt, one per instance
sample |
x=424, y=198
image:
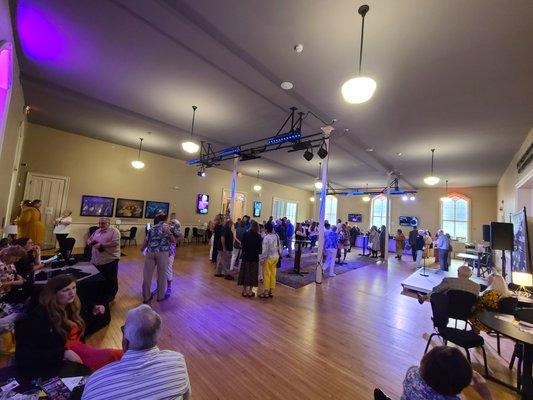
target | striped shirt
x=141, y=374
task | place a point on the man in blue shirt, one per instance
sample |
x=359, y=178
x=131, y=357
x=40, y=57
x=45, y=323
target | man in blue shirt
x=443, y=244
x=289, y=231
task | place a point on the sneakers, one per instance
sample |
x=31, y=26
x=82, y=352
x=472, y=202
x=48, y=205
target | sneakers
x=167, y=295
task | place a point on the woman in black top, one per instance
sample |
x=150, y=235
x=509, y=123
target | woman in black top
x=251, y=248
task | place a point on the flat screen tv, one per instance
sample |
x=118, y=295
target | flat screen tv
x=408, y=221
x=96, y=206
x=202, y=204
x=257, y=208
x=355, y=217
x=155, y=207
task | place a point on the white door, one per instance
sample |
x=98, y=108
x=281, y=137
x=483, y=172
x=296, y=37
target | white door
x=53, y=191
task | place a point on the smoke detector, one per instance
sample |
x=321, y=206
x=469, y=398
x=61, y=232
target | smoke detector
x=299, y=48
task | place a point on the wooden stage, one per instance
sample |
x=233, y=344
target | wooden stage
x=424, y=284
x=338, y=340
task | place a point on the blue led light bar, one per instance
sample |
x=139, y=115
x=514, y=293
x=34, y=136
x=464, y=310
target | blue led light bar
x=286, y=137
x=229, y=151
x=193, y=161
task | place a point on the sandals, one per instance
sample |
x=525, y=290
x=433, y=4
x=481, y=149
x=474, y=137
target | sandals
x=252, y=294
x=244, y=294
x=263, y=295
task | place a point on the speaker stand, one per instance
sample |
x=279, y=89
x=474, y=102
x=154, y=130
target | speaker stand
x=423, y=273
x=504, y=273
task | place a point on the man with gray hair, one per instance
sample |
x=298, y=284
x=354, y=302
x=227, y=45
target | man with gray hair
x=144, y=372
x=462, y=282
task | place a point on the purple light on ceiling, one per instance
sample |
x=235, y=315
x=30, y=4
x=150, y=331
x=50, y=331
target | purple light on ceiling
x=5, y=83
x=40, y=34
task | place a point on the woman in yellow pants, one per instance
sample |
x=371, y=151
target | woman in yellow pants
x=269, y=257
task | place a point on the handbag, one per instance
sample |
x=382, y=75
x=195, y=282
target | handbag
x=278, y=265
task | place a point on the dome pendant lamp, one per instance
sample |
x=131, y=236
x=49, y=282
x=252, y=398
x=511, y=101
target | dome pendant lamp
x=318, y=181
x=257, y=187
x=361, y=88
x=446, y=198
x=138, y=164
x=190, y=146
x=432, y=180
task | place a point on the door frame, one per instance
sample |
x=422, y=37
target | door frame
x=64, y=198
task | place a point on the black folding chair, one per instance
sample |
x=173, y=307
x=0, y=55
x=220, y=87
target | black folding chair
x=446, y=306
x=526, y=315
x=379, y=395
x=186, y=238
x=130, y=236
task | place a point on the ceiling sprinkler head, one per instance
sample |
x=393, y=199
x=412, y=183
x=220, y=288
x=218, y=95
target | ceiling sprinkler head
x=299, y=48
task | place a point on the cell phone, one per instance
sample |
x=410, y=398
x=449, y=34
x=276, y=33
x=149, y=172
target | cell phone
x=56, y=389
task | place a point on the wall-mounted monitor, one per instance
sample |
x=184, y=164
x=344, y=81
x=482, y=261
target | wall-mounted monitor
x=128, y=208
x=96, y=206
x=355, y=217
x=202, y=204
x=408, y=221
x=155, y=207
x=258, y=206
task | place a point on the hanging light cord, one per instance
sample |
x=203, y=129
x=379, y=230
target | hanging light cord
x=193, y=115
x=140, y=147
x=362, y=11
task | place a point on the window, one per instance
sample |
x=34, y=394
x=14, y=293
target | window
x=284, y=208
x=379, y=211
x=455, y=216
x=331, y=210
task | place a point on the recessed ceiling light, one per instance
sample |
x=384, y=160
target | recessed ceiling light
x=370, y=149
x=299, y=48
x=399, y=154
x=287, y=85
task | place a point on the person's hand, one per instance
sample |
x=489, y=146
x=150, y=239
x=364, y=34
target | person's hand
x=69, y=355
x=19, y=280
x=479, y=384
x=98, y=309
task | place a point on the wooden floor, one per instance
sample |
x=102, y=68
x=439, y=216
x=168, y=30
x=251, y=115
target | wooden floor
x=338, y=340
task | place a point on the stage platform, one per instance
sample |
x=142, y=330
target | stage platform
x=423, y=284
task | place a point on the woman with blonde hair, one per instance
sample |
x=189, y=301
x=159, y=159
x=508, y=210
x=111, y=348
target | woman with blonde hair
x=490, y=299
x=53, y=331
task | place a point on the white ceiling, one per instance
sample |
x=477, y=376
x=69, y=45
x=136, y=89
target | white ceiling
x=455, y=76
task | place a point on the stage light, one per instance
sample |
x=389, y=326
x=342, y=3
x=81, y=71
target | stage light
x=287, y=137
x=201, y=172
x=405, y=198
x=412, y=198
x=308, y=154
x=322, y=151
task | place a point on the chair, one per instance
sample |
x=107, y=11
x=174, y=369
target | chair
x=526, y=315
x=66, y=247
x=444, y=307
x=130, y=236
x=186, y=238
x=485, y=264
x=506, y=305
x=196, y=235
x=92, y=229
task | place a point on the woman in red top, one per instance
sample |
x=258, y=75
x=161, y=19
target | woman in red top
x=57, y=322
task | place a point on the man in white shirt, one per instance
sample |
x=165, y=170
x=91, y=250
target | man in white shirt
x=144, y=372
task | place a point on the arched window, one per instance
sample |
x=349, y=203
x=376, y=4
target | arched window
x=455, y=216
x=379, y=211
x=331, y=210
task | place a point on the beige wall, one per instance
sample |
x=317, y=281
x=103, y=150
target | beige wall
x=100, y=168
x=426, y=208
x=9, y=138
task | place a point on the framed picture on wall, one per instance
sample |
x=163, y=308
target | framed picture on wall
x=154, y=207
x=128, y=208
x=257, y=208
x=96, y=206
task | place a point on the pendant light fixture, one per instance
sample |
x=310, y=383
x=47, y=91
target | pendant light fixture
x=432, y=180
x=361, y=88
x=446, y=197
x=318, y=182
x=312, y=199
x=190, y=146
x=138, y=164
x=257, y=187
x=366, y=197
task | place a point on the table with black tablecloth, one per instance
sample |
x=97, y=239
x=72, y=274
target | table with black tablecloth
x=502, y=324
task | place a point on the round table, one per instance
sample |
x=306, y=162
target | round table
x=511, y=330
